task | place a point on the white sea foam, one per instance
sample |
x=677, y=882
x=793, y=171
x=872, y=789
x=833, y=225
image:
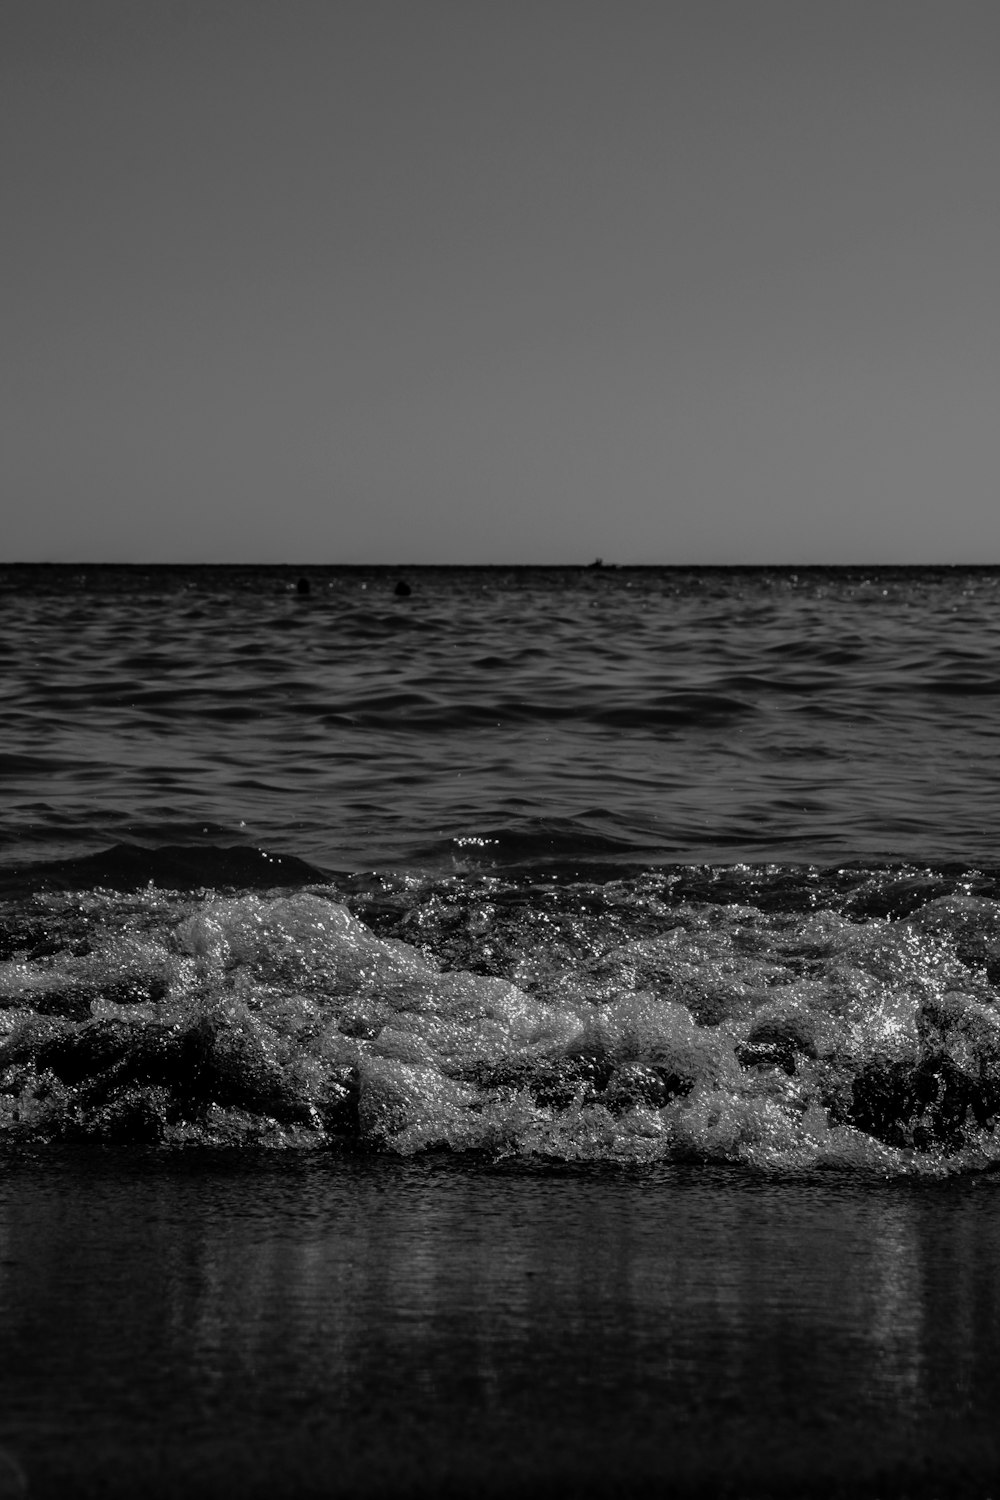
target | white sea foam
x=779, y=1042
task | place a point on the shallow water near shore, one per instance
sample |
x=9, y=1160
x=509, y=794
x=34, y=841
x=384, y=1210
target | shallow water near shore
x=263, y=1325
x=538, y=1033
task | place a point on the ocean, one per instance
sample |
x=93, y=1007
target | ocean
x=492, y=1031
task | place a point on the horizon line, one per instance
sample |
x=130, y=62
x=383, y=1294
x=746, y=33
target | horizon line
x=596, y=565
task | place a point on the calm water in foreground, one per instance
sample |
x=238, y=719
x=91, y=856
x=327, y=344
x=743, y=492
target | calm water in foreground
x=534, y=1034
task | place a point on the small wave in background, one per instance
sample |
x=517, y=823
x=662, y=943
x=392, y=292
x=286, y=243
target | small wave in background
x=720, y=715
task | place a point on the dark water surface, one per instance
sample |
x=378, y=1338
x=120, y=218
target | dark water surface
x=535, y=1034
x=823, y=714
x=261, y=1326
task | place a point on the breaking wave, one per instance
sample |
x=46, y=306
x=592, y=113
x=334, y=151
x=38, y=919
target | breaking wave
x=776, y=1018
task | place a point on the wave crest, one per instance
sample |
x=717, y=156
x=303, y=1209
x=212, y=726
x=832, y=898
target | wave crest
x=623, y=1028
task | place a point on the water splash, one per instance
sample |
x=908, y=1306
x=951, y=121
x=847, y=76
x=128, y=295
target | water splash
x=623, y=1022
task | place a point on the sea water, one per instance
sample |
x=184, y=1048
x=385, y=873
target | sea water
x=537, y=1031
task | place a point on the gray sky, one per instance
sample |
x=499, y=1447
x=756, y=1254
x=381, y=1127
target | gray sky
x=521, y=281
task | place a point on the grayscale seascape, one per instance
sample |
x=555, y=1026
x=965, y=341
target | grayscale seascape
x=537, y=1033
x=499, y=780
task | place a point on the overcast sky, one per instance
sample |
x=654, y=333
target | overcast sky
x=521, y=281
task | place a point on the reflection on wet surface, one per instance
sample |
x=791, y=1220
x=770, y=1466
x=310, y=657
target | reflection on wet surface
x=314, y=1326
